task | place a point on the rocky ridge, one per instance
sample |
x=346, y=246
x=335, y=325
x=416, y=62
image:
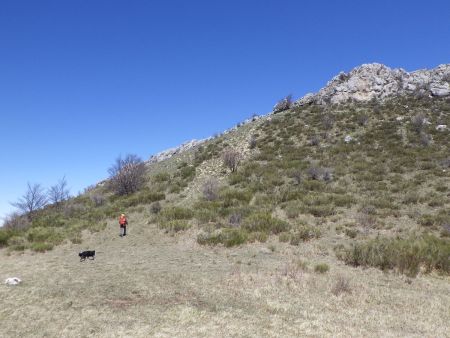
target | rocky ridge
x=377, y=81
x=367, y=82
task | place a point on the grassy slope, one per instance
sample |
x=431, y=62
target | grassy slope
x=386, y=183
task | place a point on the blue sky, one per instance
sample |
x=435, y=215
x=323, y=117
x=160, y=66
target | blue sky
x=84, y=81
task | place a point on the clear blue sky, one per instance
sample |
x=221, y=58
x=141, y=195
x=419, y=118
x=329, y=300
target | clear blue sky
x=84, y=81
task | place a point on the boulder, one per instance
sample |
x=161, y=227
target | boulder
x=441, y=127
x=348, y=139
x=378, y=82
x=13, y=281
x=440, y=89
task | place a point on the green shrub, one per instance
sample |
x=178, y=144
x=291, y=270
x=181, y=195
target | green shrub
x=41, y=234
x=234, y=197
x=228, y=237
x=176, y=213
x=161, y=177
x=41, y=247
x=5, y=235
x=264, y=222
x=187, y=173
x=142, y=197
x=284, y=237
x=258, y=236
x=206, y=215
x=304, y=233
x=76, y=238
x=321, y=268
x=175, y=225
x=352, y=233
x=48, y=220
x=404, y=255
x=155, y=207
x=292, y=210
x=320, y=210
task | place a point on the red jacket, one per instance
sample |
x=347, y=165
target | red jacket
x=123, y=220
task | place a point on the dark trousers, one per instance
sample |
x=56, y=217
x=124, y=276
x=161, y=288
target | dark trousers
x=123, y=230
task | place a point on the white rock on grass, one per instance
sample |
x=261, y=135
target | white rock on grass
x=348, y=139
x=441, y=127
x=13, y=281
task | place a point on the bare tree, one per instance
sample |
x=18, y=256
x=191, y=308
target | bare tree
x=33, y=199
x=58, y=192
x=210, y=189
x=127, y=175
x=15, y=221
x=231, y=159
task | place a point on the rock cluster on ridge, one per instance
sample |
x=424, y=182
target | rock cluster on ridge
x=166, y=154
x=377, y=81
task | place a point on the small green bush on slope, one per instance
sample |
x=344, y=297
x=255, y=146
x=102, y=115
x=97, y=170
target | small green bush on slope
x=404, y=255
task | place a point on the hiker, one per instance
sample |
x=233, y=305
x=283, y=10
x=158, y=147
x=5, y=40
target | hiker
x=123, y=225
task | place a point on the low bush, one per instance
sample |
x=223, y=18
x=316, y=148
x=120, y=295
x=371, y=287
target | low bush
x=304, y=233
x=319, y=210
x=143, y=197
x=161, y=177
x=41, y=247
x=258, y=236
x=404, y=255
x=284, y=237
x=352, y=233
x=264, y=222
x=176, y=213
x=43, y=234
x=342, y=285
x=321, y=268
x=228, y=237
x=155, y=207
x=174, y=225
x=5, y=235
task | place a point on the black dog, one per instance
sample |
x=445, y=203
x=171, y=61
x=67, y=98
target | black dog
x=86, y=254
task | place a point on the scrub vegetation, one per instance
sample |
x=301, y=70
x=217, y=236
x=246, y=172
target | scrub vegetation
x=281, y=207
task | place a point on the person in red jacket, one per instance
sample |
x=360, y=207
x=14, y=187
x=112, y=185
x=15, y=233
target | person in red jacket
x=123, y=222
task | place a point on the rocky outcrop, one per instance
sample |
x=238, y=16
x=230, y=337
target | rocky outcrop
x=377, y=81
x=166, y=154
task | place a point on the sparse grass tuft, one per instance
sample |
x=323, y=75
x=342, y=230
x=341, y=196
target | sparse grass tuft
x=321, y=268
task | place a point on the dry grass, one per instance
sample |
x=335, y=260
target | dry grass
x=151, y=284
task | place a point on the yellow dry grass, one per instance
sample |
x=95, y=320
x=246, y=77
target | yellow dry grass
x=149, y=284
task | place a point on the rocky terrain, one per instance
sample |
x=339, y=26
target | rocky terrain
x=378, y=82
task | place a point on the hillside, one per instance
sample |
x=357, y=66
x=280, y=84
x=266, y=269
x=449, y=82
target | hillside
x=334, y=221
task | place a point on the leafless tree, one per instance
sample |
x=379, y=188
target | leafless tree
x=33, y=199
x=127, y=175
x=210, y=189
x=59, y=192
x=15, y=221
x=231, y=159
x=98, y=200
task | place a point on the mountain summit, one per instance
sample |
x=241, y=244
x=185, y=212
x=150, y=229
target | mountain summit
x=377, y=81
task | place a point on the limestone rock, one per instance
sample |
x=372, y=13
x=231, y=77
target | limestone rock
x=348, y=139
x=166, y=154
x=378, y=82
x=13, y=281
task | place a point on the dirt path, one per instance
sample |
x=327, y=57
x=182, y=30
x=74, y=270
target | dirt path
x=151, y=284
